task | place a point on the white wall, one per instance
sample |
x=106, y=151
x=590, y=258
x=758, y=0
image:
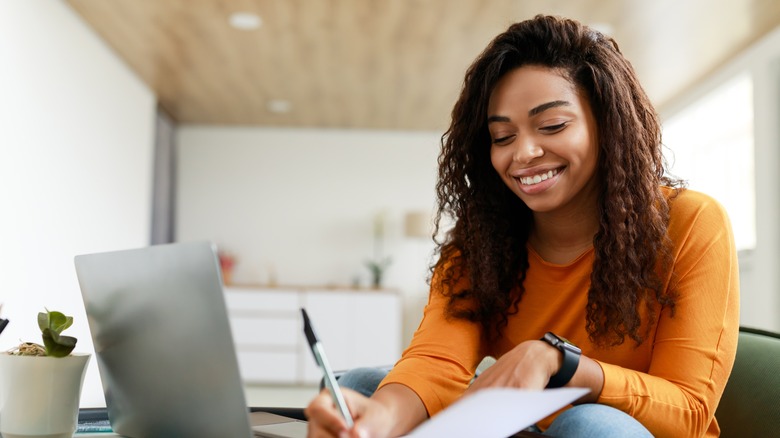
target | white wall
x=301, y=203
x=759, y=275
x=76, y=129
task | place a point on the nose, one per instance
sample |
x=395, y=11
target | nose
x=527, y=149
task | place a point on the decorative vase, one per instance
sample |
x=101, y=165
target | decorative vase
x=39, y=395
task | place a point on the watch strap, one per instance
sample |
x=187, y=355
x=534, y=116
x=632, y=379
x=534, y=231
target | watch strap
x=571, y=360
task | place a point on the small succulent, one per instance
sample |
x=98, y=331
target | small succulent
x=52, y=324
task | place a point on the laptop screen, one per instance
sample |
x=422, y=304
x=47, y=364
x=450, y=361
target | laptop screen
x=162, y=340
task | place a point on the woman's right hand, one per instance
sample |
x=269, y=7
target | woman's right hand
x=370, y=417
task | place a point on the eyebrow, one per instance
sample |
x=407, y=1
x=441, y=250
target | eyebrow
x=545, y=106
x=533, y=111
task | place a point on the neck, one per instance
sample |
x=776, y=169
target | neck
x=562, y=236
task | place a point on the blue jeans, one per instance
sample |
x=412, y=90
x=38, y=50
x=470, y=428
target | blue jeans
x=581, y=421
x=363, y=380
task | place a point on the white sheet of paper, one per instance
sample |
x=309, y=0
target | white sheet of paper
x=496, y=412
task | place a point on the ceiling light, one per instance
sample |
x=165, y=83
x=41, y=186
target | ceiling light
x=245, y=20
x=279, y=106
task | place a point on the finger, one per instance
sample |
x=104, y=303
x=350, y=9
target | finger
x=371, y=419
x=323, y=417
x=356, y=402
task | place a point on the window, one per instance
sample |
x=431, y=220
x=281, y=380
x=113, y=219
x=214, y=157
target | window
x=710, y=144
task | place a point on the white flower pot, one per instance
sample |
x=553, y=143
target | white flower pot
x=39, y=396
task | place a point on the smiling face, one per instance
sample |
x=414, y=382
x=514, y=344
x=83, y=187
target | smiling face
x=544, y=140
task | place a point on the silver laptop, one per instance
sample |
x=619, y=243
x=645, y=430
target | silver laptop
x=163, y=344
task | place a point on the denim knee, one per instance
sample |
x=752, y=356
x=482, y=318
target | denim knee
x=363, y=380
x=596, y=420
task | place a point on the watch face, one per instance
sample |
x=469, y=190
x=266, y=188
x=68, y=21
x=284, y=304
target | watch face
x=561, y=342
x=565, y=340
x=571, y=347
x=552, y=338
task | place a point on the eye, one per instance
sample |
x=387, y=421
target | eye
x=552, y=129
x=503, y=141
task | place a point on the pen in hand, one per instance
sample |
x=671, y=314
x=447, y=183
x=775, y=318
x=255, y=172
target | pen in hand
x=322, y=361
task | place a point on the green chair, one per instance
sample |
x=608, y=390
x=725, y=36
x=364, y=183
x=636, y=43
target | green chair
x=750, y=406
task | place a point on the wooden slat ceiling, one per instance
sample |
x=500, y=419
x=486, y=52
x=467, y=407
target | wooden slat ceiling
x=386, y=64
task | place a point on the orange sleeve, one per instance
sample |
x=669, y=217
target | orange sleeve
x=694, y=349
x=443, y=355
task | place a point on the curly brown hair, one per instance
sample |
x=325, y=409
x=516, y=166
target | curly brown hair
x=492, y=225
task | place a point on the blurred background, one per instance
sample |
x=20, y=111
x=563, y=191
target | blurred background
x=301, y=137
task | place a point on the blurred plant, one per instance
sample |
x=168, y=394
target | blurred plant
x=377, y=269
x=379, y=263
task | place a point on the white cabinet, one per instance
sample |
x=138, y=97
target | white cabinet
x=356, y=327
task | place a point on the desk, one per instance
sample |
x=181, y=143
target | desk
x=297, y=413
x=100, y=415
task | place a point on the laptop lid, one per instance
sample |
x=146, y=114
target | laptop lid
x=163, y=343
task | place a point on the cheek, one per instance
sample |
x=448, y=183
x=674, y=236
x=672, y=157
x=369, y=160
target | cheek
x=592, y=153
x=589, y=160
x=498, y=159
x=583, y=148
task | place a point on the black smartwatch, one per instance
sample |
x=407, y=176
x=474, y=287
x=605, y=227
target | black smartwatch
x=571, y=359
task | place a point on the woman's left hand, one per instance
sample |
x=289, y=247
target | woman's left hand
x=529, y=366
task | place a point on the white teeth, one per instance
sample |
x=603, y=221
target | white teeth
x=536, y=179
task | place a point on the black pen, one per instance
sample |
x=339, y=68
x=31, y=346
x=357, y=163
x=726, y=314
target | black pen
x=322, y=361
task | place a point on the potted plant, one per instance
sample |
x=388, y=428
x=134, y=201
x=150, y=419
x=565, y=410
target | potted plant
x=378, y=264
x=40, y=385
x=377, y=269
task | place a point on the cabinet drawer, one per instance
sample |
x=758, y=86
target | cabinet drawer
x=268, y=366
x=262, y=300
x=269, y=331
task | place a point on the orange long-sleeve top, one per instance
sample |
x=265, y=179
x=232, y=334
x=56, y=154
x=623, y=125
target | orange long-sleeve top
x=671, y=383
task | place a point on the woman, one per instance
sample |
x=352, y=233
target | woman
x=565, y=223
